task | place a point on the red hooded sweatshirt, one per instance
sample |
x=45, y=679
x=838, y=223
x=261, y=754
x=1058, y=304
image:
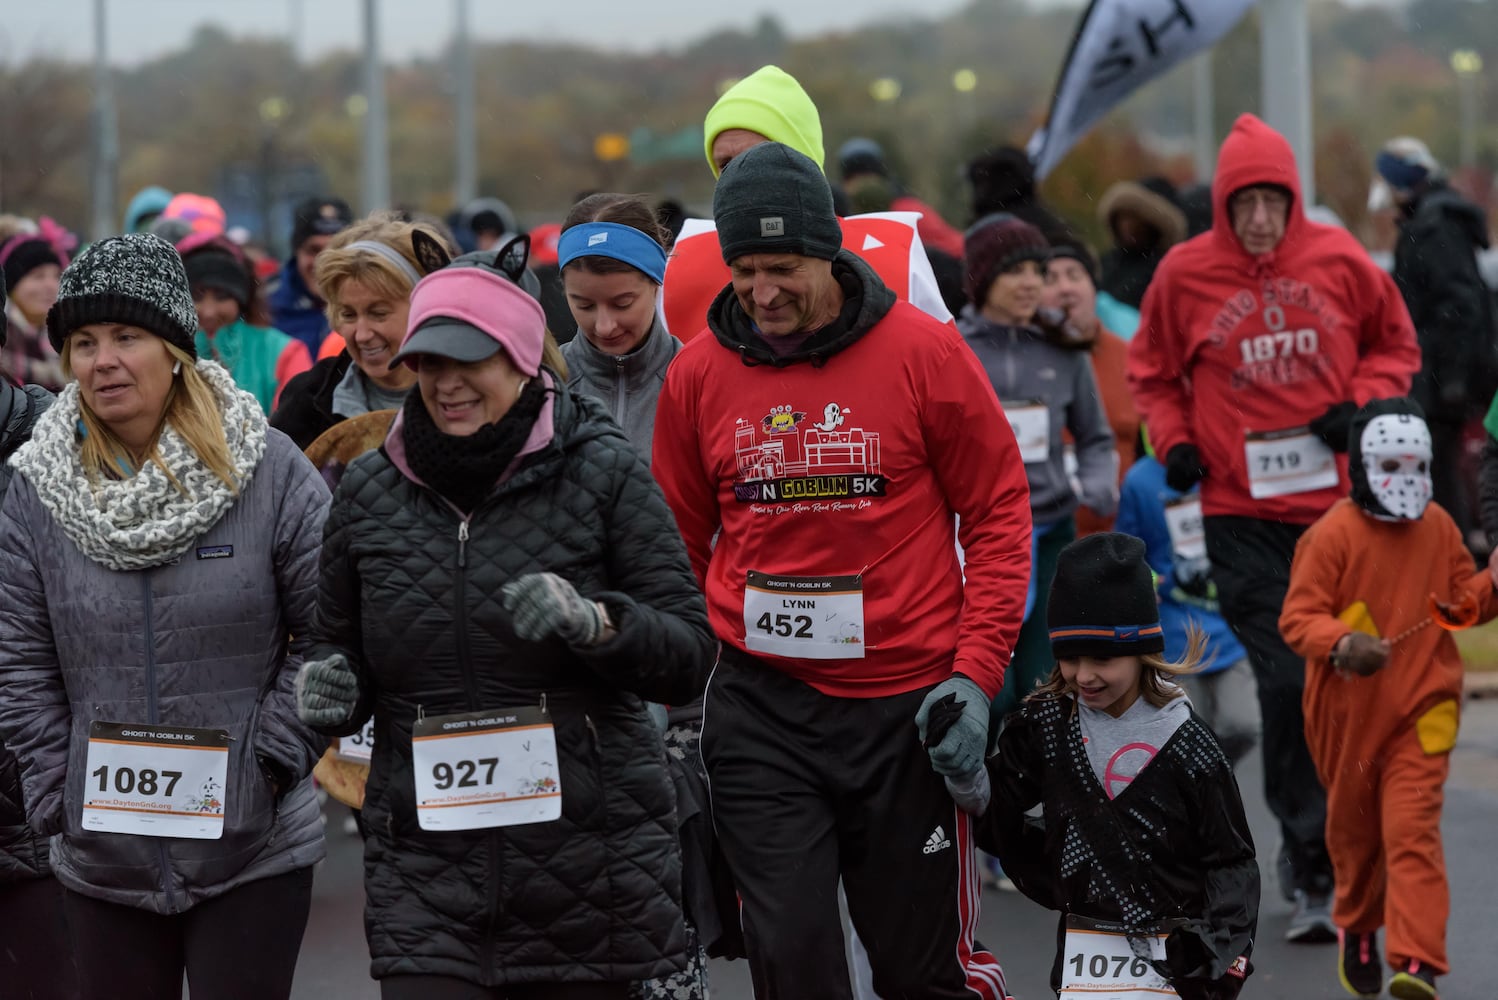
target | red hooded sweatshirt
x=1231, y=345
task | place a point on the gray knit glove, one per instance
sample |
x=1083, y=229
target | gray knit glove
x=327, y=692
x=957, y=752
x=544, y=604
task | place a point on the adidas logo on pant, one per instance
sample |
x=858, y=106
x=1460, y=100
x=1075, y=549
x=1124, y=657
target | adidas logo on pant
x=936, y=842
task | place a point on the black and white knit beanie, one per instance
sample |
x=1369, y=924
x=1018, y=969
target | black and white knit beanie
x=137, y=279
x=1102, y=600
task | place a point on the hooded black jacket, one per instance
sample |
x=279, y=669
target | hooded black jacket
x=1435, y=267
x=417, y=609
x=306, y=408
x=23, y=854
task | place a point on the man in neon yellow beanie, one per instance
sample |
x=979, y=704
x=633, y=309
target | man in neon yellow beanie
x=768, y=105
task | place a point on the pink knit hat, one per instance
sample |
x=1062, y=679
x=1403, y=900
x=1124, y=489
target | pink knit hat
x=468, y=313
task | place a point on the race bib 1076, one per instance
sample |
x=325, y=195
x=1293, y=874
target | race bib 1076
x=156, y=781
x=1102, y=963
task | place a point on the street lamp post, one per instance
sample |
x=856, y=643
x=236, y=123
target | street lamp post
x=376, y=146
x=272, y=111
x=1204, y=140
x=466, y=182
x=106, y=139
x=1285, y=77
x=1468, y=67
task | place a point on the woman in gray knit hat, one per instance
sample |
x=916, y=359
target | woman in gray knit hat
x=158, y=551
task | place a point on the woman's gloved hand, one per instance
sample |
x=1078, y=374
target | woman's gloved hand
x=543, y=604
x=327, y=691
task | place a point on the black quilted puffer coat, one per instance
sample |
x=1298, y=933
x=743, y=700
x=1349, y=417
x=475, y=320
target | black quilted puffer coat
x=23, y=852
x=412, y=598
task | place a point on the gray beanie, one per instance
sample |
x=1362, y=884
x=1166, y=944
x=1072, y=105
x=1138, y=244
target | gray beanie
x=137, y=279
x=772, y=199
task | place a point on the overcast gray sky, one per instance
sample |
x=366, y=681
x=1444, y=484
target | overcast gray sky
x=141, y=29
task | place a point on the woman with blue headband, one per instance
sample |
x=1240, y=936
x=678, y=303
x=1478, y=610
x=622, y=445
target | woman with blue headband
x=613, y=259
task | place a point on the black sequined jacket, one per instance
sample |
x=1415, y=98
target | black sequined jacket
x=1174, y=843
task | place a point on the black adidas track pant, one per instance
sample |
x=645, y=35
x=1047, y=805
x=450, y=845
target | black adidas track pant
x=806, y=788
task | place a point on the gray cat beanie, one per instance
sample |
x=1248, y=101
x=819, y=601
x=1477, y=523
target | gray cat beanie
x=772, y=199
x=137, y=279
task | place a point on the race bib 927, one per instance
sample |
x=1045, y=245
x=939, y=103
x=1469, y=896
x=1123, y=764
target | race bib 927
x=486, y=769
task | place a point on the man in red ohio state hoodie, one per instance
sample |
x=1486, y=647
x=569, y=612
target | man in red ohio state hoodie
x=1257, y=342
x=827, y=436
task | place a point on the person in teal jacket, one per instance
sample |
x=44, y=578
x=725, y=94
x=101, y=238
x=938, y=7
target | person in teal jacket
x=261, y=358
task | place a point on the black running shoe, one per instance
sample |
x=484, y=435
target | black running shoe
x=1416, y=982
x=1360, y=968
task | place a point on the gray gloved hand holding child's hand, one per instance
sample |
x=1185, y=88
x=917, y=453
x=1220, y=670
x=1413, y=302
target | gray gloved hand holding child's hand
x=960, y=751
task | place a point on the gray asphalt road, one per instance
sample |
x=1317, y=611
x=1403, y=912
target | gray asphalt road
x=334, y=963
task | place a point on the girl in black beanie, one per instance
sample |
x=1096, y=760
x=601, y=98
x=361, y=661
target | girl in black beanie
x=1144, y=847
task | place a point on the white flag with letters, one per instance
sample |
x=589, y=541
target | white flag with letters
x=1121, y=45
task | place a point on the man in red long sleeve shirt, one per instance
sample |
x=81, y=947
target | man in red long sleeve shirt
x=827, y=434
x=1257, y=342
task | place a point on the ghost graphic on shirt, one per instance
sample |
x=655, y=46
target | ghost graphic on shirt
x=832, y=418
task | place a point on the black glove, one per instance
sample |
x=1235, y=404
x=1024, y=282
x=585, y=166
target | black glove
x=1183, y=467
x=1333, y=426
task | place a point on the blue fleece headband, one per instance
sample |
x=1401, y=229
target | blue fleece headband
x=609, y=239
x=1402, y=175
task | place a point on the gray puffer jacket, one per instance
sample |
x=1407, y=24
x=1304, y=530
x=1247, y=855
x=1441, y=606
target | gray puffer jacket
x=23, y=853
x=628, y=386
x=411, y=594
x=1023, y=365
x=205, y=642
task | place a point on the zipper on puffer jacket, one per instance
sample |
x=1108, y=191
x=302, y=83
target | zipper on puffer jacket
x=153, y=716
x=620, y=381
x=471, y=693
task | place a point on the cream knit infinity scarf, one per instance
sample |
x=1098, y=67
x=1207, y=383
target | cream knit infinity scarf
x=144, y=520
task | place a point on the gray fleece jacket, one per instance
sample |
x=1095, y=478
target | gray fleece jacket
x=1023, y=366
x=627, y=386
x=213, y=641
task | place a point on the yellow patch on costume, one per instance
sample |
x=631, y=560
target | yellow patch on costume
x=1436, y=729
x=1358, y=618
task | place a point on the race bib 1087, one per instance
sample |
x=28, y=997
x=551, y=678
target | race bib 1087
x=156, y=781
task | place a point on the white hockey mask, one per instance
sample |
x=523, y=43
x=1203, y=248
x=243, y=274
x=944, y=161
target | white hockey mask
x=1396, y=456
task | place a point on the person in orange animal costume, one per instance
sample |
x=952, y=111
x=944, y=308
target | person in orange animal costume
x=1375, y=587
